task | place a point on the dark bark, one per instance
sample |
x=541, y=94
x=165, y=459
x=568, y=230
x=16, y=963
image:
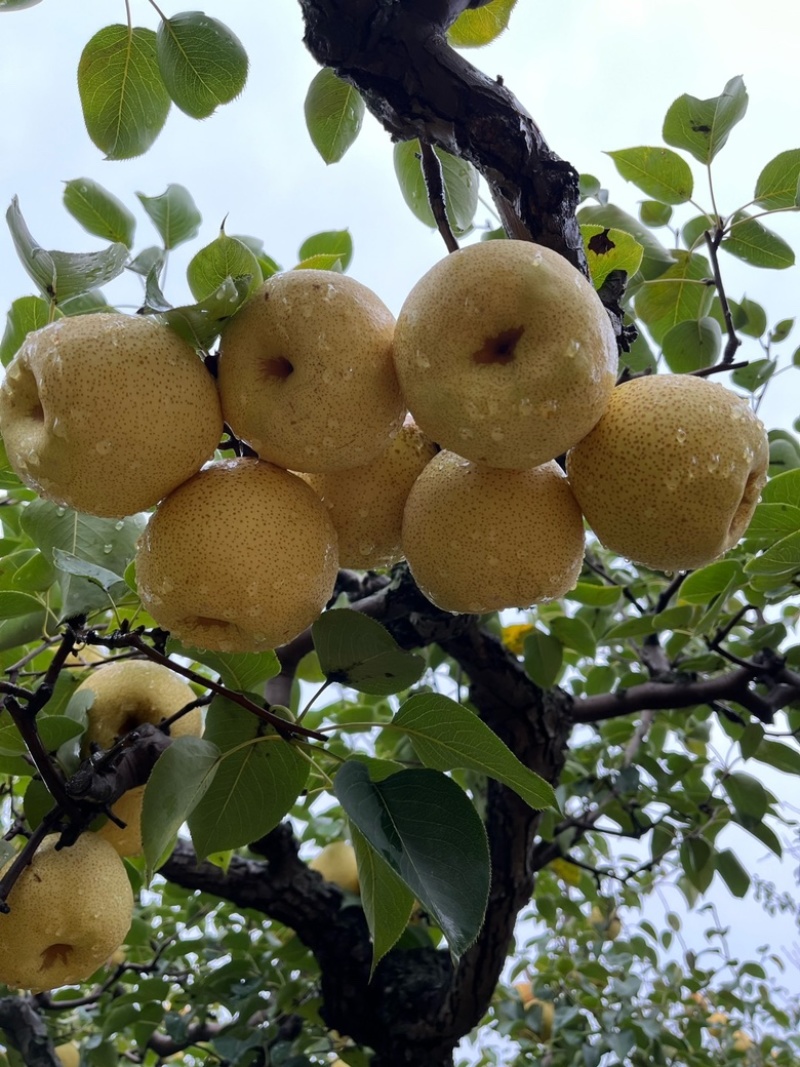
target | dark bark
x=396, y=55
x=26, y=1031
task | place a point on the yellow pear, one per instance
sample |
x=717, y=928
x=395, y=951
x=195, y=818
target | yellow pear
x=127, y=693
x=240, y=558
x=716, y=1021
x=70, y=909
x=130, y=692
x=68, y=1054
x=671, y=474
x=306, y=374
x=505, y=354
x=107, y=413
x=480, y=539
x=337, y=863
x=366, y=503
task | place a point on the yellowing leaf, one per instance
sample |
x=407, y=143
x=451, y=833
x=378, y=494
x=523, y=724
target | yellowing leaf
x=472, y=29
x=513, y=637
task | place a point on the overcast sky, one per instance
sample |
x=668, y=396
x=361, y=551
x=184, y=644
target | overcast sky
x=594, y=76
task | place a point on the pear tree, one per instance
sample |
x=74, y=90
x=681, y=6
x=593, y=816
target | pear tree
x=324, y=740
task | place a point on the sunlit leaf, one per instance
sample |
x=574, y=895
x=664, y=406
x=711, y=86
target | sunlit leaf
x=610, y=249
x=225, y=257
x=751, y=241
x=479, y=26
x=334, y=112
x=659, y=172
x=678, y=294
x=202, y=61
x=174, y=214
x=446, y=735
x=99, y=211
x=778, y=184
x=459, y=179
x=26, y=314
x=702, y=126
x=124, y=100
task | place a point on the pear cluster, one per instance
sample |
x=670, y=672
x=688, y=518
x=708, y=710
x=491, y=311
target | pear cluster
x=433, y=438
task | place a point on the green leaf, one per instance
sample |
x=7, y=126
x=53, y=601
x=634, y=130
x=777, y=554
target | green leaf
x=68, y=563
x=26, y=314
x=659, y=172
x=750, y=740
x=702, y=126
x=124, y=100
x=446, y=735
x=754, y=375
x=635, y=627
x=423, y=825
x=595, y=595
x=357, y=651
x=174, y=214
x=386, y=899
x=89, y=539
x=747, y=794
x=778, y=184
x=783, y=489
x=692, y=345
x=610, y=249
x=697, y=859
x=655, y=258
x=201, y=323
x=708, y=582
x=243, y=671
x=781, y=757
x=752, y=242
x=203, y=62
x=17, y=5
x=61, y=275
x=337, y=243
x=13, y=605
x=321, y=261
x=781, y=560
x=334, y=112
x=477, y=27
x=225, y=257
x=772, y=522
x=654, y=213
x=543, y=656
x=755, y=318
x=99, y=211
x=459, y=178
x=573, y=633
x=177, y=783
x=678, y=294
x=258, y=779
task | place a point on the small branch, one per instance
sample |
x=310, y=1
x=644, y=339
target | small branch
x=22, y=860
x=720, y=368
x=432, y=173
x=25, y=721
x=734, y=686
x=713, y=242
x=670, y=591
x=135, y=640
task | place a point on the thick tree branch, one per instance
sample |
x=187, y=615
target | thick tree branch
x=783, y=688
x=397, y=57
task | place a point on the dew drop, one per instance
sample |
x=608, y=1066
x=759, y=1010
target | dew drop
x=572, y=349
x=466, y=432
x=496, y=433
x=713, y=464
x=526, y=406
x=103, y=447
x=119, y=525
x=108, y=549
x=421, y=361
x=680, y=435
x=673, y=480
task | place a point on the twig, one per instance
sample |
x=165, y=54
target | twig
x=713, y=242
x=432, y=173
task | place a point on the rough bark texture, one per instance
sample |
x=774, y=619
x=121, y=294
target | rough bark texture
x=397, y=57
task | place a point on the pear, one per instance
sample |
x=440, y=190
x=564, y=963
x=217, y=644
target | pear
x=505, y=354
x=70, y=909
x=107, y=413
x=337, y=863
x=240, y=558
x=671, y=474
x=481, y=539
x=306, y=374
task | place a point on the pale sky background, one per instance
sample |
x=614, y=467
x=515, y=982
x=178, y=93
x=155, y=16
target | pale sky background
x=594, y=76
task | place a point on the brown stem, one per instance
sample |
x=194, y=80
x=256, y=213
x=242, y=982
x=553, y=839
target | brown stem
x=432, y=173
x=713, y=242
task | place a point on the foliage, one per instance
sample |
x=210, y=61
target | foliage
x=683, y=692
